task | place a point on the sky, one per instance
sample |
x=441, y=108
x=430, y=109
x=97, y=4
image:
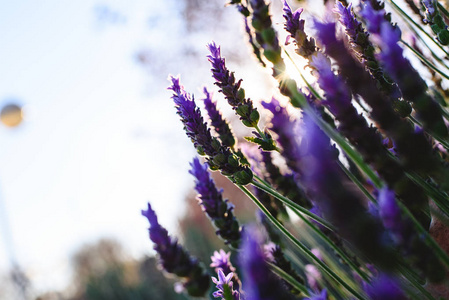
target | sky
x=100, y=135
x=98, y=138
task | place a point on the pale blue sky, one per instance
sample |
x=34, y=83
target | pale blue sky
x=100, y=136
x=95, y=145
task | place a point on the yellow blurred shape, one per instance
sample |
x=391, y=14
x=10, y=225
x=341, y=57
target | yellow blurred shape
x=11, y=115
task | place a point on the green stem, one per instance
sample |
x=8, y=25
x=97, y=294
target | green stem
x=424, y=60
x=287, y=277
x=301, y=246
x=410, y=277
x=401, y=12
x=443, y=9
x=444, y=143
x=438, y=197
x=264, y=137
x=357, y=182
x=314, y=92
x=439, y=252
x=326, y=239
x=292, y=204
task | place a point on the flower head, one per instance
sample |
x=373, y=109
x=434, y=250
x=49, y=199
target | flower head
x=231, y=89
x=384, y=287
x=259, y=282
x=217, y=209
x=217, y=121
x=295, y=26
x=174, y=259
x=225, y=286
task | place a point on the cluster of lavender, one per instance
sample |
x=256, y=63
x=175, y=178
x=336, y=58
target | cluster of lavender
x=359, y=208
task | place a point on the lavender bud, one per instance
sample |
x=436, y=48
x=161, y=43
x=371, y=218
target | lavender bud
x=265, y=35
x=231, y=89
x=320, y=296
x=305, y=45
x=217, y=121
x=222, y=260
x=384, y=287
x=218, y=156
x=217, y=209
x=259, y=282
x=330, y=190
x=412, y=246
x=284, y=128
x=174, y=259
x=411, y=84
x=413, y=148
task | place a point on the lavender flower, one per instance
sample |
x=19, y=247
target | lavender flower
x=217, y=209
x=365, y=138
x=320, y=296
x=259, y=282
x=330, y=190
x=411, y=84
x=413, y=148
x=384, y=287
x=364, y=50
x=219, y=157
x=412, y=246
x=276, y=256
x=222, y=261
x=225, y=287
x=217, y=121
x=231, y=89
x=284, y=128
x=295, y=26
x=174, y=259
x=194, y=125
x=266, y=36
x=437, y=24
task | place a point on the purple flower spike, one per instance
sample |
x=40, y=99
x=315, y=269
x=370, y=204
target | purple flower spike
x=385, y=288
x=190, y=115
x=287, y=137
x=374, y=18
x=231, y=89
x=217, y=121
x=225, y=286
x=174, y=259
x=389, y=210
x=295, y=26
x=259, y=282
x=219, y=157
x=222, y=261
x=217, y=209
x=320, y=296
x=410, y=82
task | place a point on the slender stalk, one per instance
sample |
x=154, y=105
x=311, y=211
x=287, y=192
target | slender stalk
x=444, y=143
x=405, y=272
x=357, y=182
x=314, y=92
x=440, y=199
x=406, y=16
x=334, y=247
x=424, y=60
x=292, y=281
x=292, y=204
x=301, y=246
x=440, y=252
x=443, y=9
